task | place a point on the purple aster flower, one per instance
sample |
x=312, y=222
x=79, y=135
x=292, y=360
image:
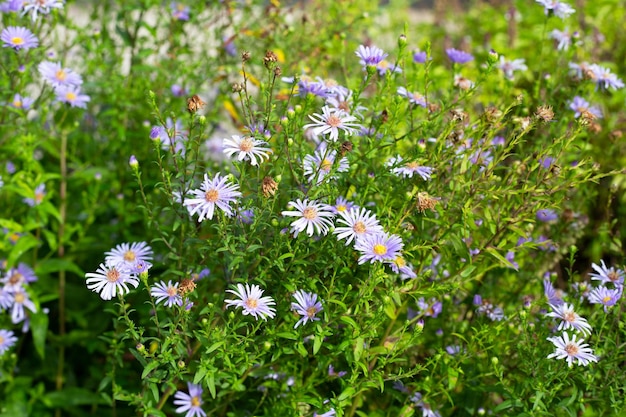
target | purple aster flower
x=419, y=57
x=453, y=350
x=359, y=223
x=248, y=149
x=581, y=106
x=229, y=45
x=546, y=162
x=18, y=38
x=109, y=280
x=246, y=216
x=510, y=256
x=213, y=192
x=196, y=276
x=258, y=128
x=604, y=79
x=319, y=165
x=429, y=309
x=370, y=56
x=179, y=11
x=190, y=403
x=414, y=98
x=167, y=293
x=605, y=296
x=385, y=66
x=334, y=374
x=21, y=300
x=343, y=101
x=7, y=340
x=57, y=76
x=562, y=38
x=156, y=132
x=459, y=57
x=547, y=215
x=11, y=6
x=20, y=102
x=331, y=121
x=141, y=267
x=252, y=302
x=10, y=167
x=606, y=275
x=312, y=217
x=341, y=205
x=172, y=137
x=498, y=141
x=556, y=7
x=583, y=289
x=509, y=67
x=572, y=349
x=39, y=195
x=71, y=95
x=35, y=7
x=400, y=266
x=569, y=319
x=427, y=410
x=407, y=169
x=132, y=161
x=307, y=86
x=307, y=306
x=178, y=90
x=16, y=278
x=554, y=296
x=378, y=247
x=333, y=88
x=127, y=255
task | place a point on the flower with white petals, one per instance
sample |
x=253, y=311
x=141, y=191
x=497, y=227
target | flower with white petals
x=313, y=217
x=252, y=302
x=569, y=318
x=331, y=121
x=247, y=148
x=572, y=350
x=216, y=192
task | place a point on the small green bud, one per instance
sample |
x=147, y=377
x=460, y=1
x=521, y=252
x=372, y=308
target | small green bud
x=181, y=364
x=204, y=320
x=284, y=121
x=493, y=57
x=522, y=314
x=267, y=346
x=290, y=142
x=495, y=360
x=298, y=108
x=290, y=112
x=278, y=178
x=274, y=222
x=140, y=348
x=202, y=119
x=402, y=41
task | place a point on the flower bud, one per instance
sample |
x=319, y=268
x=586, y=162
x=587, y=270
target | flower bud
x=132, y=161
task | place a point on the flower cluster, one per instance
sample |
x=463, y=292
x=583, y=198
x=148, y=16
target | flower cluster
x=14, y=294
x=65, y=82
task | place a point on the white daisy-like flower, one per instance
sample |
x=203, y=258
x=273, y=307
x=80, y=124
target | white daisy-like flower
x=320, y=164
x=570, y=320
x=313, y=217
x=213, y=192
x=407, y=169
x=35, y=7
x=307, y=306
x=248, y=149
x=110, y=280
x=331, y=121
x=252, y=302
x=606, y=275
x=21, y=300
x=129, y=255
x=572, y=350
x=359, y=222
x=400, y=266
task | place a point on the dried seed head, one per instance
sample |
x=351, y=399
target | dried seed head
x=433, y=107
x=492, y=114
x=186, y=286
x=463, y=83
x=595, y=127
x=384, y=116
x=616, y=134
x=425, y=202
x=245, y=56
x=278, y=71
x=545, y=113
x=237, y=87
x=269, y=186
x=194, y=103
x=458, y=115
x=345, y=148
x=269, y=59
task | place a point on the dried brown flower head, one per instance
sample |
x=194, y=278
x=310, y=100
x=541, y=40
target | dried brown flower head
x=269, y=59
x=186, y=286
x=245, y=56
x=269, y=186
x=425, y=202
x=194, y=103
x=345, y=148
x=545, y=113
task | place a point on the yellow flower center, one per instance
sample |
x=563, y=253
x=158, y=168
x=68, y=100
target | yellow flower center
x=412, y=165
x=418, y=97
x=17, y=40
x=613, y=276
x=341, y=207
x=383, y=64
x=19, y=297
x=252, y=303
x=333, y=121
x=1, y=340
x=129, y=256
x=212, y=196
x=326, y=165
x=14, y=237
x=309, y=213
x=569, y=316
x=70, y=96
x=18, y=104
x=606, y=299
x=195, y=402
x=246, y=145
x=61, y=75
x=359, y=227
x=113, y=275
x=380, y=249
x=571, y=349
x=400, y=262
x=311, y=311
x=171, y=291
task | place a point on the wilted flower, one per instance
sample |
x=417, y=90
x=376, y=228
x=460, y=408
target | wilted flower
x=580, y=106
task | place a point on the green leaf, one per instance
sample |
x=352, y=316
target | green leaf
x=71, y=396
x=24, y=244
x=151, y=367
x=39, y=329
x=211, y=384
x=317, y=343
x=55, y=265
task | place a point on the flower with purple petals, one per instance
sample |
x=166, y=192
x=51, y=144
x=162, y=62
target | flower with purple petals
x=400, y=266
x=110, y=280
x=128, y=255
x=307, y=86
x=247, y=148
x=16, y=278
x=178, y=90
x=509, y=67
x=370, y=56
x=459, y=57
x=252, y=302
x=414, y=98
x=216, y=192
x=167, y=293
x=554, y=296
x=331, y=121
x=34, y=7
x=569, y=319
x=172, y=137
x=342, y=205
x=558, y=8
x=604, y=79
x=385, y=66
x=57, y=76
x=563, y=39
x=312, y=217
x=11, y=6
x=572, y=350
x=581, y=106
x=429, y=309
x=190, y=403
x=307, y=306
x=7, y=340
x=179, y=11
x=608, y=297
x=419, y=57
x=359, y=222
x=334, y=374
x=319, y=165
x=606, y=275
x=378, y=247
x=17, y=37
x=21, y=300
x=407, y=169
x=71, y=94
x=547, y=215
x=39, y=195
